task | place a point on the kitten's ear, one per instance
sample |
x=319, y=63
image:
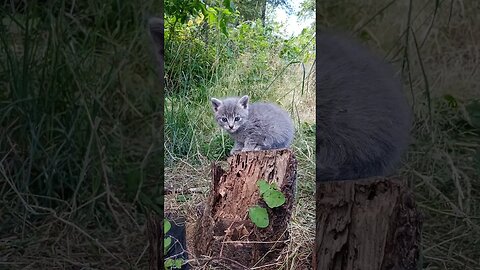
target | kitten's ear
x=243, y=101
x=215, y=104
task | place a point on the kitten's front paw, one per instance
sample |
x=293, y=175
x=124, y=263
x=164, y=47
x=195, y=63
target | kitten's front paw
x=246, y=149
x=234, y=151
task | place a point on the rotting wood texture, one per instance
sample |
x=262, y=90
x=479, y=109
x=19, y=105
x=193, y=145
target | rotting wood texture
x=225, y=233
x=366, y=224
x=155, y=237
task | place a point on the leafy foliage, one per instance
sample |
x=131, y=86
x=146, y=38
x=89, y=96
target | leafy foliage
x=272, y=197
x=259, y=216
x=167, y=243
x=173, y=263
x=201, y=61
x=270, y=194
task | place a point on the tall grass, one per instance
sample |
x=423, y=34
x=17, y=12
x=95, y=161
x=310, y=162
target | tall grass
x=78, y=131
x=248, y=61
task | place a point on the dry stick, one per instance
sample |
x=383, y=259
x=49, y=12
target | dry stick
x=168, y=191
x=445, y=241
x=266, y=265
x=275, y=242
x=456, y=176
x=95, y=240
x=92, y=200
x=295, y=253
x=374, y=16
x=84, y=168
x=228, y=229
x=105, y=176
x=455, y=208
x=143, y=253
x=14, y=188
x=220, y=259
x=140, y=185
x=468, y=183
x=107, y=185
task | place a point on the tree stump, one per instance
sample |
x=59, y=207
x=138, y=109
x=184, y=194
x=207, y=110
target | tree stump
x=367, y=224
x=225, y=233
x=155, y=239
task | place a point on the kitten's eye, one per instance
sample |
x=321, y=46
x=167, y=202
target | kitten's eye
x=224, y=119
x=237, y=119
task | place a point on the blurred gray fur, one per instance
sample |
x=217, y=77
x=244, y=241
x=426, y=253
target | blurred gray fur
x=363, y=118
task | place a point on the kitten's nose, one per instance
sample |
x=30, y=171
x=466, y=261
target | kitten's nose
x=230, y=126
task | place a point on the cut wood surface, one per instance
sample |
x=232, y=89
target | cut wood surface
x=224, y=232
x=366, y=224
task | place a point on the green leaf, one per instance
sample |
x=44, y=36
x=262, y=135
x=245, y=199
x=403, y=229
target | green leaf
x=181, y=198
x=166, y=244
x=274, y=198
x=270, y=194
x=473, y=110
x=229, y=5
x=173, y=264
x=263, y=186
x=178, y=263
x=223, y=27
x=169, y=263
x=259, y=216
x=166, y=225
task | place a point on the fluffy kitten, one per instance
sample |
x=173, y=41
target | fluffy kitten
x=363, y=118
x=256, y=126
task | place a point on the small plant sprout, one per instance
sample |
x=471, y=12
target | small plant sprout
x=272, y=196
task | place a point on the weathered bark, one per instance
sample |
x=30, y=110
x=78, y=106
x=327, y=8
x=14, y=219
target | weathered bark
x=155, y=239
x=225, y=233
x=366, y=224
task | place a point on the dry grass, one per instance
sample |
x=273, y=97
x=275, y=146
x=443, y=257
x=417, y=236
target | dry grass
x=78, y=134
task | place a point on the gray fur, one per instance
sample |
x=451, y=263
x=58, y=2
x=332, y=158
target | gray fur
x=256, y=126
x=363, y=118
x=156, y=30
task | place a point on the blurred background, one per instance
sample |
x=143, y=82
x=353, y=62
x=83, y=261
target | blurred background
x=80, y=107
x=79, y=134
x=434, y=45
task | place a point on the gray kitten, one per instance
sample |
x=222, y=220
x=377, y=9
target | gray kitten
x=256, y=126
x=363, y=118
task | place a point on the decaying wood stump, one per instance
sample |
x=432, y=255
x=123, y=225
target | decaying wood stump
x=225, y=233
x=367, y=224
x=155, y=239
